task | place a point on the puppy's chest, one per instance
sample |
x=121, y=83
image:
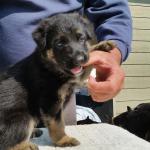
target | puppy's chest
x=66, y=90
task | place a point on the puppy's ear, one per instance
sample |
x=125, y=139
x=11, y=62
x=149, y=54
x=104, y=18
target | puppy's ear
x=129, y=108
x=39, y=35
x=88, y=26
x=89, y=29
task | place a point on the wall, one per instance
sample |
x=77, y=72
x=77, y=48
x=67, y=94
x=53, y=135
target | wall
x=137, y=67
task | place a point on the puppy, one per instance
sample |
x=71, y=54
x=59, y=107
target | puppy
x=137, y=121
x=39, y=86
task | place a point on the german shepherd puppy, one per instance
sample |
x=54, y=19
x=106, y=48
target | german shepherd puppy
x=38, y=86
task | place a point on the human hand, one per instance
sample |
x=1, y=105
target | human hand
x=109, y=75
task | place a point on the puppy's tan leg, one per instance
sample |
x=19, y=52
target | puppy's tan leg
x=25, y=146
x=104, y=46
x=56, y=127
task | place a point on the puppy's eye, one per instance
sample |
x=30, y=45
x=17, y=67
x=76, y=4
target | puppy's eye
x=81, y=38
x=59, y=44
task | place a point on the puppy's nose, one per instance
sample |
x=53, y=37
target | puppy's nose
x=82, y=58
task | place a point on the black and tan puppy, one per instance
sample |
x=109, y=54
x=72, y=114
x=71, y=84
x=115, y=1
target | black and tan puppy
x=136, y=120
x=37, y=87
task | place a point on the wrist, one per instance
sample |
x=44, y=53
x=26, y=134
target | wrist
x=116, y=54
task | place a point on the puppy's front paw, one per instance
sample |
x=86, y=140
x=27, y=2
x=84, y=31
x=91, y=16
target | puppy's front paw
x=104, y=46
x=67, y=141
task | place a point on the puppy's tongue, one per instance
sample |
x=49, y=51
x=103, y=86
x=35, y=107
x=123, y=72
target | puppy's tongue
x=76, y=70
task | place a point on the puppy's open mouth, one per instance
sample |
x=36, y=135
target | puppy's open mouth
x=77, y=70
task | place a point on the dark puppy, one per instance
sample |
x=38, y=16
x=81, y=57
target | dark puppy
x=137, y=121
x=37, y=87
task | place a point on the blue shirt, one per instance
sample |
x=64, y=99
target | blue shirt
x=18, y=19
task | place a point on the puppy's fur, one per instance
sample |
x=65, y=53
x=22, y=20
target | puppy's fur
x=136, y=120
x=37, y=87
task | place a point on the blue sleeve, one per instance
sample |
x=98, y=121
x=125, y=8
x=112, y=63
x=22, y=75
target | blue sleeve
x=112, y=20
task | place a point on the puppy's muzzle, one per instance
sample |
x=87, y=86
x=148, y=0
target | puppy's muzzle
x=81, y=58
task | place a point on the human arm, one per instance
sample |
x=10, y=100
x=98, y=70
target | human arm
x=112, y=21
